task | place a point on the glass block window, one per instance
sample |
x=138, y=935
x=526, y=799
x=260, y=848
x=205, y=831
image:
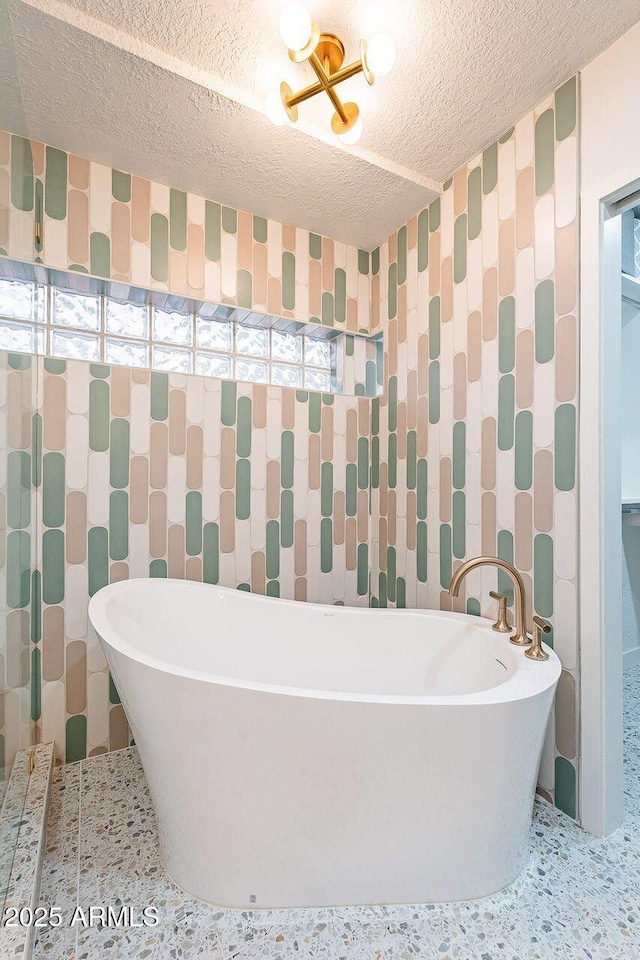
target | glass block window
x=41, y=318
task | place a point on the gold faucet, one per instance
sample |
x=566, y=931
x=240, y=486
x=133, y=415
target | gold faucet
x=520, y=636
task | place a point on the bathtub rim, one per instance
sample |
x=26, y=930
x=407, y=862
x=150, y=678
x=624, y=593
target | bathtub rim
x=529, y=679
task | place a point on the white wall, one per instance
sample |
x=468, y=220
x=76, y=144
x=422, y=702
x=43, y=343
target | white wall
x=609, y=162
x=610, y=84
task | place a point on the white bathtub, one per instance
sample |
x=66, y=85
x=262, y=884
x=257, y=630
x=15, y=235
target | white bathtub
x=307, y=755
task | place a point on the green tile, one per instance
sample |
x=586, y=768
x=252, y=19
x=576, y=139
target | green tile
x=288, y=280
x=382, y=589
x=434, y=328
x=159, y=389
x=243, y=429
x=375, y=463
x=434, y=215
x=54, y=365
x=97, y=559
x=371, y=378
x=473, y=607
x=287, y=445
x=340, y=295
x=119, y=525
x=244, y=289
x=392, y=403
x=99, y=370
x=55, y=184
x=402, y=255
x=391, y=573
x=18, y=489
x=273, y=588
x=392, y=461
x=272, y=550
x=286, y=518
x=315, y=412
x=544, y=321
x=351, y=490
x=446, y=559
x=121, y=186
x=259, y=229
x=53, y=561
x=411, y=459
x=490, y=168
x=524, y=450
x=543, y=575
x=326, y=545
x=100, y=255
x=565, y=786
x=363, y=262
x=363, y=463
x=565, y=446
x=422, y=490
x=375, y=261
x=159, y=247
x=177, y=219
x=119, y=453
x=22, y=189
x=212, y=230
x=393, y=290
x=459, y=454
x=193, y=523
x=460, y=248
x=327, y=309
x=474, y=203
x=506, y=136
x=507, y=335
x=243, y=489
x=326, y=489
x=315, y=246
x=566, y=100
x=228, y=403
x=18, y=569
x=76, y=738
x=36, y=606
x=114, y=696
x=363, y=569
x=375, y=417
x=53, y=489
x=458, y=522
x=19, y=361
x=506, y=411
x=423, y=240
x=36, y=684
x=544, y=152
x=401, y=593
x=505, y=552
x=158, y=569
x=229, y=220
x=39, y=213
x=434, y=391
x=211, y=553
x=99, y=415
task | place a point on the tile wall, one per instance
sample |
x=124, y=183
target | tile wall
x=471, y=448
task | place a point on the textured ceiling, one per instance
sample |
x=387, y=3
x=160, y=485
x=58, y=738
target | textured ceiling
x=174, y=89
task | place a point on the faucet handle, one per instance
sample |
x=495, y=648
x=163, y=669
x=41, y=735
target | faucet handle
x=535, y=651
x=502, y=623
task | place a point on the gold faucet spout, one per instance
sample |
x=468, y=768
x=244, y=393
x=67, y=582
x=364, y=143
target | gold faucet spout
x=520, y=636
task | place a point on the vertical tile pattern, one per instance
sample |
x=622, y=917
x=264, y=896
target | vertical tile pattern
x=487, y=360
x=470, y=449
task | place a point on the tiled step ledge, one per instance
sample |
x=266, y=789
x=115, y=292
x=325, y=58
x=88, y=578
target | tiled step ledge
x=24, y=883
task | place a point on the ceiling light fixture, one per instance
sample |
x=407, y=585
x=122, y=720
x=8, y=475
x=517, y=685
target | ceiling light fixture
x=325, y=53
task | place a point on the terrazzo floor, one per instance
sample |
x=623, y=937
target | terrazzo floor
x=579, y=898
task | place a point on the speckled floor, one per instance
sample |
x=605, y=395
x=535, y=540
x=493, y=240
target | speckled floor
x=579, y=897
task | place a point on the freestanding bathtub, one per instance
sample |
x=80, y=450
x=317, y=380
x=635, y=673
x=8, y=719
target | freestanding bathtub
x=308, y=755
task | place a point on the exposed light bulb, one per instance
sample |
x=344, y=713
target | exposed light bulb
x=275, y=110
x=295, y=26
x=353, y=135
x=381, y=54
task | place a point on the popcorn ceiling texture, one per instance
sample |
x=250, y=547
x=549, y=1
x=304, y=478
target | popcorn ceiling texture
x=470, y=450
